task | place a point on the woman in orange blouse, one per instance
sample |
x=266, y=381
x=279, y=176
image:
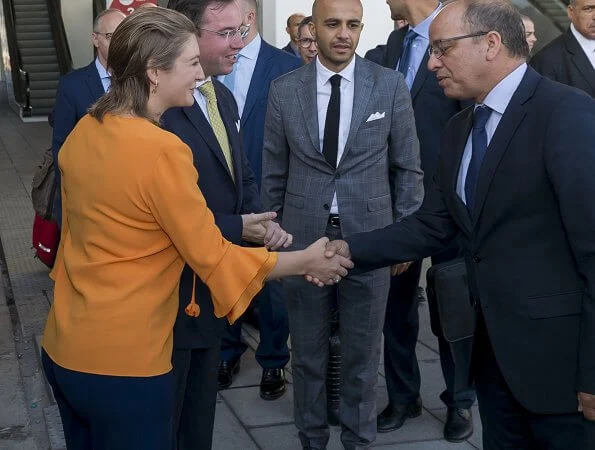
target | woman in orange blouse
x=132, y=215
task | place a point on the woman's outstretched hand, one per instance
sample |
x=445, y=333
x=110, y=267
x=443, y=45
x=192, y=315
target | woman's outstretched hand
x=324, y=270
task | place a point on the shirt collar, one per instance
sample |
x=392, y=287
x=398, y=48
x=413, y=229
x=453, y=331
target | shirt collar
x=423, y=28
x=103, y=73
x=500, y=96
x=588, y=45
x=200, y=83
x=324, y=75
x=252, y=50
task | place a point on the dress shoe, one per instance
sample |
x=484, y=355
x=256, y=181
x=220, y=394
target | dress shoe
x=459, y=425
x=226, y=372
x=272, y=384
x=393, y=417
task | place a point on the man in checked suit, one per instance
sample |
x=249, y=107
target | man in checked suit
x=211, y=129
x=407, y=51
x=513, y=186
x=79, y=89
x=340, y=156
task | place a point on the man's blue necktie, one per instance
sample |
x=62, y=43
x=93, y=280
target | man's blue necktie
x=479, y=143
x=406, y=55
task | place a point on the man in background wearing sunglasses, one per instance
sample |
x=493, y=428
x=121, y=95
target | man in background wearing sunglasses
x=211, y=128
x=407, y=52
x=81, y=88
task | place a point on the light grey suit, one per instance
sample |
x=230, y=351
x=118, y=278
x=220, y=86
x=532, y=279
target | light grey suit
x=377, y=181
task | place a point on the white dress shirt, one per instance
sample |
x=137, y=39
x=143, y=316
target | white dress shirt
x=323, y=97
x=588, y=45
x=201, y=100
x=244, y=69
x=104, y=75
x=498, y=100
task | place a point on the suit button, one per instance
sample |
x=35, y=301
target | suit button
x=476, y=259
x=326, y=206
x=337, y=176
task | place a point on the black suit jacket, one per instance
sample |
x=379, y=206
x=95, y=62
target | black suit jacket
x=431, y=107
x=564, y=60
x=529, y=247
x=226, y=199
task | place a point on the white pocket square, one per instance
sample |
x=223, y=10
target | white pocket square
x=238, y=125
x=376, y=116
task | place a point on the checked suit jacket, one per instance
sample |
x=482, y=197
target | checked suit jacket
x=378, y=179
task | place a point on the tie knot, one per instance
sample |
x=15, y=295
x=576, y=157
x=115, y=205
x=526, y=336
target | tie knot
x=411, y=34
x=481, y=115
x=208, y=90
x=336, y=80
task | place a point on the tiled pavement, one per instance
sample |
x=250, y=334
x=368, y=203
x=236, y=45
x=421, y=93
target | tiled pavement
x=243, y=420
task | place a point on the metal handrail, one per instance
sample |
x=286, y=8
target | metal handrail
x=19, y=81
x=59, y=35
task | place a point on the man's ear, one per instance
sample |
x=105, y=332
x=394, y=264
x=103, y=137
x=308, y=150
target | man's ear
x=495, y=45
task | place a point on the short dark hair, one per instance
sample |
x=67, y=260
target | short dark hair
x=195, y=9
x=499, y=16
x=305, y=21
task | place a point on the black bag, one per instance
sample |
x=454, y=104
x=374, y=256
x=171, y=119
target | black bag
x=43, y=187
x=449, y=288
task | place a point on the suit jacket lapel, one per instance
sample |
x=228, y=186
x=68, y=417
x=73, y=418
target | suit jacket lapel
x=94, y=81
x=463, y=125
x=511, y=119
x=420, y=77
x=579, y=58
x=199, y=121
x=395, y=47
x=362, y=93
x=307, y=98
x=261, y=70
x=231, y=122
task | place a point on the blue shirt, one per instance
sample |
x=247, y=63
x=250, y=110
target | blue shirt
x=106, y=78
x=244, y=68
x=419, y=46
x=498, y=100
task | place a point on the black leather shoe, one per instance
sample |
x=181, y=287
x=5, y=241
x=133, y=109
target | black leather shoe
x=226, y=372
x=459, y=425
x=393, y=417
x=272, y=384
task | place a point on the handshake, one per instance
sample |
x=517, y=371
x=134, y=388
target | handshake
x=328, y=262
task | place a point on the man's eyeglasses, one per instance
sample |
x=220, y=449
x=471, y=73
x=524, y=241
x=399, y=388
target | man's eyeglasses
x=242, y=32
x=107, y=36
x=438, y=50
x=306, y=42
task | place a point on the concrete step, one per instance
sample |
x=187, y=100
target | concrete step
x=36, y=20
x=34, y=28
x=39, y=59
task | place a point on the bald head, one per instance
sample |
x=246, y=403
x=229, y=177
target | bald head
x=318, y=4
x=293, y=23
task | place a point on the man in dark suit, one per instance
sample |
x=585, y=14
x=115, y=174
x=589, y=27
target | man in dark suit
x=570, y=58
x=79, y=89
x=258, y=63
x=512, y=184
x=340, y=156
x=211, y=128
x=406, y=51
x=293, y=23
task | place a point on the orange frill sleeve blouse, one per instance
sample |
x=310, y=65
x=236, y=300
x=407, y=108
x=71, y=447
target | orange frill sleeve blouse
x=132, y=215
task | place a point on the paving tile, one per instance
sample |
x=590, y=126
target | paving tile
x=256, y=412
x=228, y=433
x=428, y=445
x=432, y=383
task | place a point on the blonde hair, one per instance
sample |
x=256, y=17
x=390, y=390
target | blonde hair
x=151, y=38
